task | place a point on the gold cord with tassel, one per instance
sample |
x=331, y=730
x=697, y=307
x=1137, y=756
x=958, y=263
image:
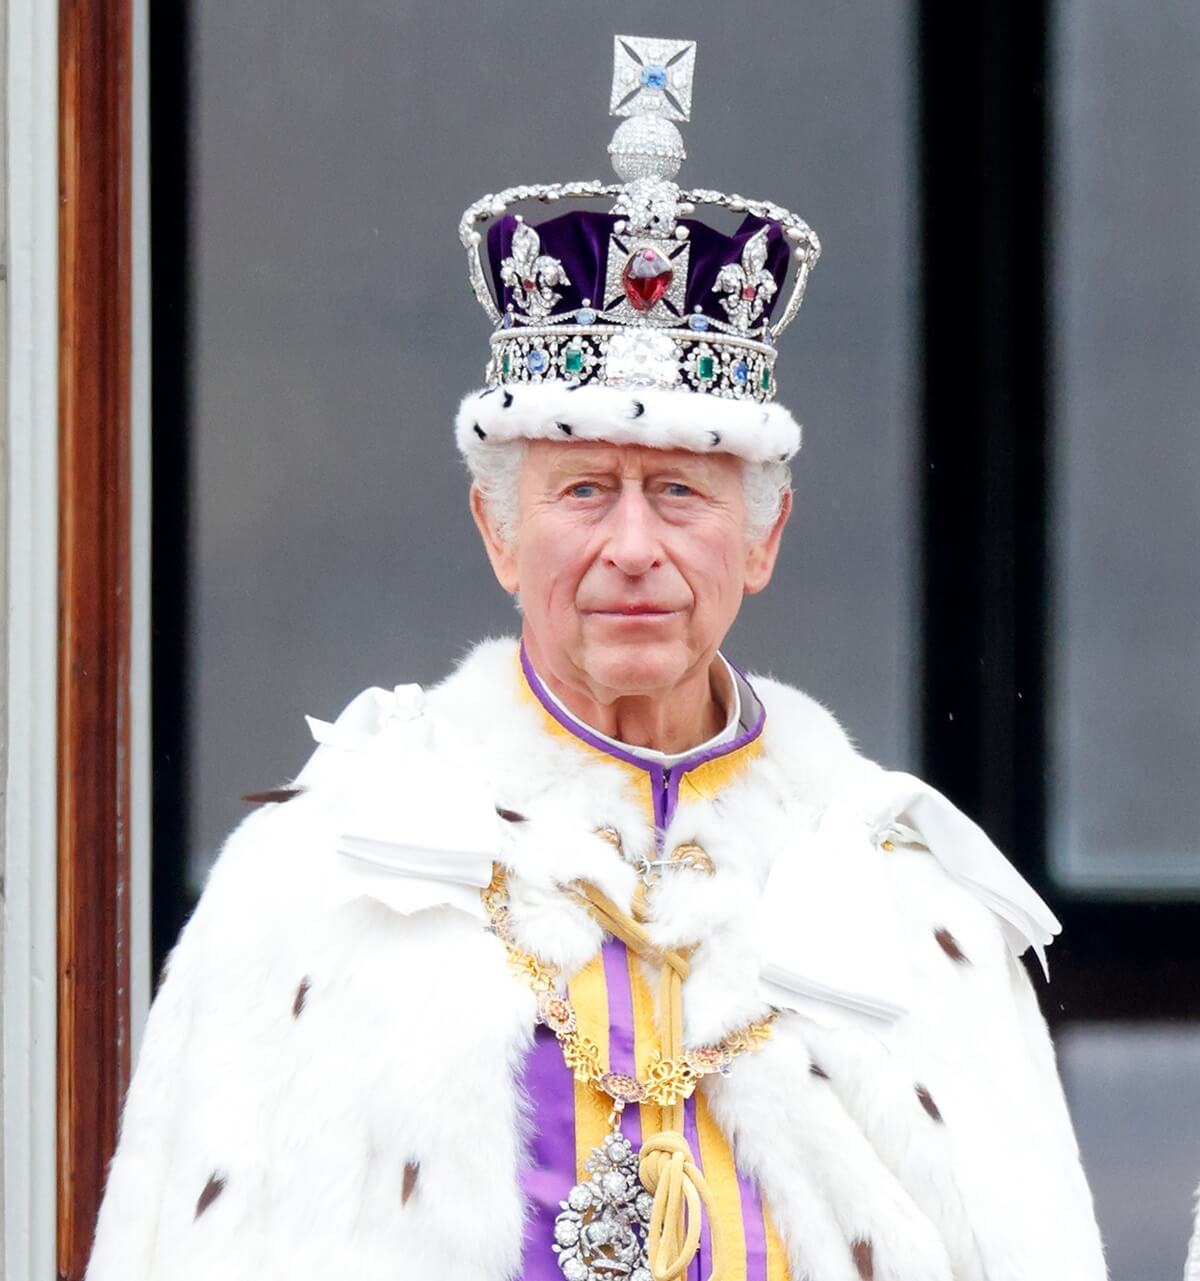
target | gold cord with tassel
x=667, y=1165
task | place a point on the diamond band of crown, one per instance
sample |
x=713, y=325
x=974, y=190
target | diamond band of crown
x=634, y=358
x=646, y=295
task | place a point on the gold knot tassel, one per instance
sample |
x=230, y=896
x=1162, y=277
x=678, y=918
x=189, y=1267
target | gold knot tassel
x=668, y=1172
x=666, y=1165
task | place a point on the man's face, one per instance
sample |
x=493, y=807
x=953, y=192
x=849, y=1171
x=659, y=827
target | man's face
x=630, y=563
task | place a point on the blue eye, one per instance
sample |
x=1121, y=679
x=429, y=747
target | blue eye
x=585, y=489
x=677, y=489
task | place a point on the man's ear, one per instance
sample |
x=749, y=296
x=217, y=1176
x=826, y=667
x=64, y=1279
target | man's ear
x=761, y=556
x=500, y=551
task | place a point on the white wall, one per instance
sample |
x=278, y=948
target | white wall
x=3, y=525
x=29, y=574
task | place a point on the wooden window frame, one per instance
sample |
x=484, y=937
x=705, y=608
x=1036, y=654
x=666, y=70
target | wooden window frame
x=97, y=795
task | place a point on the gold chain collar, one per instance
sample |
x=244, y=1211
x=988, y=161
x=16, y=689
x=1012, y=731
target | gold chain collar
x=669, y=1080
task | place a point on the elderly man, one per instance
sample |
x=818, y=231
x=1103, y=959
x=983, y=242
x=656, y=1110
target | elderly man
x=601, y=959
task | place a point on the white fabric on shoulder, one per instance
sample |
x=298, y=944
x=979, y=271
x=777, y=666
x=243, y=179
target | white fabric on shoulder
x=900, y=807
x=412, y=832
x=829, y=933
x=366, y=715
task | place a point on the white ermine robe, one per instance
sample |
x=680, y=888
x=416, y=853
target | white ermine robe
x=330, y=1084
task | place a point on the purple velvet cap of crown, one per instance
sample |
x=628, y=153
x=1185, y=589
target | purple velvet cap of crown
x=579, y=240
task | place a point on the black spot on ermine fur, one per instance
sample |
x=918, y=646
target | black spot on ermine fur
x=276, y=796
x=949, y=944
x=507, y=399
x=510, y=816
x=479, y=432
x=301, y=997
x=864, y=1259
x=817, y=1070
x=212, y=1189
x=566, y=429
x=928, y=1104
x=409, y=1186
x=715, y=438
x=638, y=409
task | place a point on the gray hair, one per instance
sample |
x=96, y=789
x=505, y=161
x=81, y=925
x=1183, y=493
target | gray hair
x=496, y=469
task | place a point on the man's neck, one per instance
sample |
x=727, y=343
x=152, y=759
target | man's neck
x=693, y=712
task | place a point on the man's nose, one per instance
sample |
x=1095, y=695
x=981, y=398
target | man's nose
x=632, y=544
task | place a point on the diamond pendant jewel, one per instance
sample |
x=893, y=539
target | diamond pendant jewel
x=600, y=1233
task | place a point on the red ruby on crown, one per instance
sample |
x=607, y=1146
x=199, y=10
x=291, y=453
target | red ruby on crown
x=646, y=278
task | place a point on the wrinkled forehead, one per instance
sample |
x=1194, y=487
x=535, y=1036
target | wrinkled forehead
x=547, y=460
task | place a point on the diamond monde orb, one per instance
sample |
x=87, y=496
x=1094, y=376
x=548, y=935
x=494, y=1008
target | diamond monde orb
x=646, y=147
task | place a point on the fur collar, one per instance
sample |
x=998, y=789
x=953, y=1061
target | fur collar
x=422, y=780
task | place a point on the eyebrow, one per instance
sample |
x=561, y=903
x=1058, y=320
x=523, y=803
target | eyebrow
x=575, y=459
x=574, y=464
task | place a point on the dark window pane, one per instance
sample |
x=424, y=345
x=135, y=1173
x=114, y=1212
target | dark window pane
x=1125, y=524
x=1134, y=1093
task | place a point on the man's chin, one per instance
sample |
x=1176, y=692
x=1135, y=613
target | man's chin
x=637, y=668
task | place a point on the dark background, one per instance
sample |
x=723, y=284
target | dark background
x=992, y=572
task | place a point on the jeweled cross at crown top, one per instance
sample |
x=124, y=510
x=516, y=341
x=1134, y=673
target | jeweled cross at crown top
x=652, y=77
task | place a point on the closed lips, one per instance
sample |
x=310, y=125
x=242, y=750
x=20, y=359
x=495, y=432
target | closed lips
x=632, y=609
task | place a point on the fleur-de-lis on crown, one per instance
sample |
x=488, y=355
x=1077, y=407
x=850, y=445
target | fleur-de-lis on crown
x=748, y=285
x=531, y=274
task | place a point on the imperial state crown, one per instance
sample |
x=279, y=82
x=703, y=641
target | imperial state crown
x=642, y=324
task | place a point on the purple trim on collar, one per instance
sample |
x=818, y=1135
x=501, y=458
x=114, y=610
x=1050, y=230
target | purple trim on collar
x=664, y=780
x=684, y=766
x=576, y=728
